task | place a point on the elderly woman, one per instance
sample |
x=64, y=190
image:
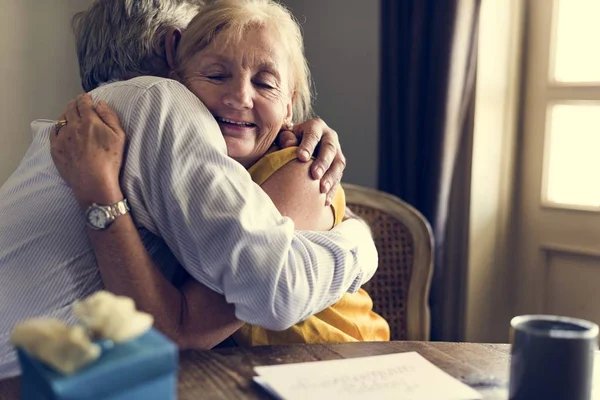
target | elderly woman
x=244, y=60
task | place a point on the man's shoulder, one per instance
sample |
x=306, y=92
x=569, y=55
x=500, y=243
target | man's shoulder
x=155, y=106
x=145, y=83
x=146, y=97
x=138, y=86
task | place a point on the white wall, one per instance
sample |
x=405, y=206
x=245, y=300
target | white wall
x=38, y=70
x=342, y=46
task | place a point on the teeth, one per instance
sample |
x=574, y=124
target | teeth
x=234, y=122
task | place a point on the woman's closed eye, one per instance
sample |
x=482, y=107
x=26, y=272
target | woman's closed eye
x=266, y=81
x=218, y=78
x=263, y=84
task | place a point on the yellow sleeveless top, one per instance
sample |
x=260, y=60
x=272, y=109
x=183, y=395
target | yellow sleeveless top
x=350, y=320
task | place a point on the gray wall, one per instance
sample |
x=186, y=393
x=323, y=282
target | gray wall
x=38, y=71
x=342, y=46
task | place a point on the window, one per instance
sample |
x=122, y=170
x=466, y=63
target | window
x=573, y=155
x=572, y=136
x=576, y=55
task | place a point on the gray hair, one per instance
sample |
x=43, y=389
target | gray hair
x=119, y=39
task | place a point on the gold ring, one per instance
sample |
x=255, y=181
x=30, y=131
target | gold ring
x=59, y=124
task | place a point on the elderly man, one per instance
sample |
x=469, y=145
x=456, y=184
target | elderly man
x=275, y=278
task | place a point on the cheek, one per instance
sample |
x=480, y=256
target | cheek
x=272, y=113
x=272, y=110
x=208, y=93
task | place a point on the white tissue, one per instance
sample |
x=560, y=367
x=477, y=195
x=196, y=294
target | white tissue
x=64, y=348
x=112, y=317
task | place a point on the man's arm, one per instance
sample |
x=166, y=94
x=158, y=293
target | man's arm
x=221, y=226
x=193, y=316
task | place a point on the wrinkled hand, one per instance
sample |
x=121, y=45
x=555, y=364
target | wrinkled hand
x=330, y=161
x=88, y=151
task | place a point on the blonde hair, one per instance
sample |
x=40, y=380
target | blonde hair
x=233, y=18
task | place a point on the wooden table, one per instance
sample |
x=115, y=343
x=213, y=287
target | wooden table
x=227, y=373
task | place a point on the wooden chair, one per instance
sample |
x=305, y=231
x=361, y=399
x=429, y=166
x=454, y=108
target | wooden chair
x=404, y=240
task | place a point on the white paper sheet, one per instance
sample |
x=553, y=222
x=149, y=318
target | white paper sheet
x=404, y=376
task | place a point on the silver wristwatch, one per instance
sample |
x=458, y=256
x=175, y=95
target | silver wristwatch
x=100, y=217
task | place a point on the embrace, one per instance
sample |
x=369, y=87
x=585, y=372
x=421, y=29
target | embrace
x=177, y=181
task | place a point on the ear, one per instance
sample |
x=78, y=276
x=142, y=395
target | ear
x=290, y=108
x=172, y=39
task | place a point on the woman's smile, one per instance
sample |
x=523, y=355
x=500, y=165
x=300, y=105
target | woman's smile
x=235, y=127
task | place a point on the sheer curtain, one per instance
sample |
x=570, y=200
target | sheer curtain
x=428, y=69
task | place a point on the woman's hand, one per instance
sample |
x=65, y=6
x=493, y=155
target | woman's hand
x=88, y=151
x=330, y=161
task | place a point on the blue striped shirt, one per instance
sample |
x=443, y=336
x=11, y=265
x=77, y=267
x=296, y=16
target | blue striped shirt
x=193, y=205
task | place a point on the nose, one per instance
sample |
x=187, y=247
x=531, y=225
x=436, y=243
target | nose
x=238, y=94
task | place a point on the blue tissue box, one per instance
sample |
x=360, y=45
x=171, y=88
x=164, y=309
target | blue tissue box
x=144, y=368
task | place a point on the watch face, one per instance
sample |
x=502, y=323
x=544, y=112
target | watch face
x=97, y=218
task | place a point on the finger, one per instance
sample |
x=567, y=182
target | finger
x=57, y=143
x=56, y=146
x=327, y=152
x=109, y=117
x=331, y=195
x=62, y=117
x=333, y=176
x=311, y=135
x=72, y=114
x=286, y=139
x=85, y=106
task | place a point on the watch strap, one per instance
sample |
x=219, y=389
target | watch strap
x=118, y=209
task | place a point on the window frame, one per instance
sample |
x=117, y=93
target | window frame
x=559, y=93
